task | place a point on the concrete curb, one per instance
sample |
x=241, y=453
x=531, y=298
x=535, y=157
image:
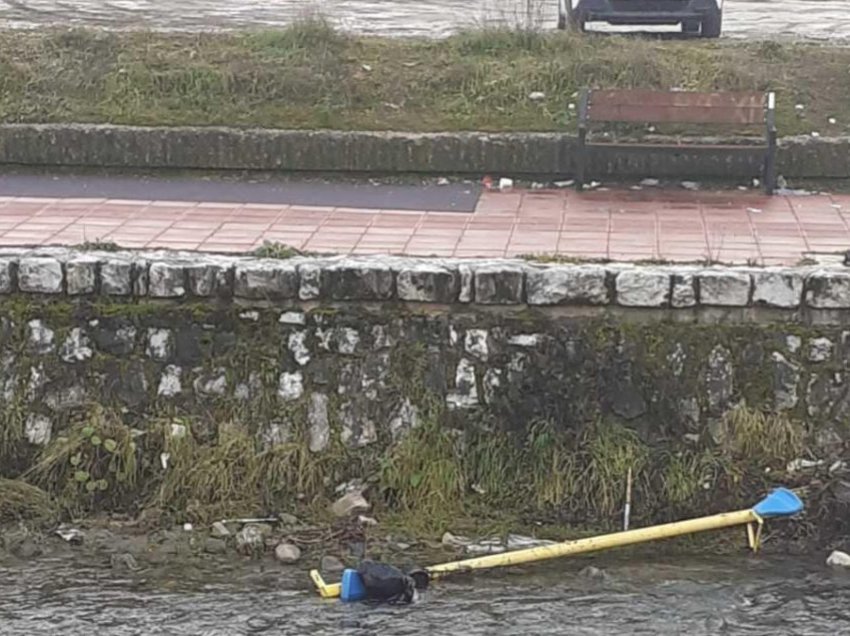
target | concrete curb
x=186, y=275
x=84, y=145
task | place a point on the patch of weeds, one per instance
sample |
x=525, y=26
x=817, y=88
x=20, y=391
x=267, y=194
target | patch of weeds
x=408, y=365
x=12, y=421
x=25, y=503
x=98, y=245
x=499, y=40
x=204, y=480
x=612, y=450
x=308, y=35
x=231, y=476
x=424, y=474
x=763, y=439
x=562, y=259
x=552, y=465
x=773, y=51
x=273, y=249
x=689, y=477
x=93, y=466
x=493, y=461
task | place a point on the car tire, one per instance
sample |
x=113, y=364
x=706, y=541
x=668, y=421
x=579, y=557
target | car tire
x=691, y=27
x=576, y=21
x=712, y=24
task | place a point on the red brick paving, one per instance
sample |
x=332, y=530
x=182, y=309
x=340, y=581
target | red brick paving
x=734, y=226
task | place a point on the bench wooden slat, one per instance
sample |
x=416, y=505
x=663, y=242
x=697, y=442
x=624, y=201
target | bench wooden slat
x=751, y=99
x=672, y=148
x=640, y=106
x=675, y=114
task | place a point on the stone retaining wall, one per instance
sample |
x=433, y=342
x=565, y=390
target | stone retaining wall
x=341, y=358
x=171, y=321
x=389, y=152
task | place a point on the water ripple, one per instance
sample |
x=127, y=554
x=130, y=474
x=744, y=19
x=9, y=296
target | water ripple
x=731, y=597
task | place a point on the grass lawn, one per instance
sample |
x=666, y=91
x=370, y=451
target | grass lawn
x=311, y=76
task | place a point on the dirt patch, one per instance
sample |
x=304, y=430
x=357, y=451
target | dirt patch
x=310, y=76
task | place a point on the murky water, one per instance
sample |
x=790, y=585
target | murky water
x=762, y=597
x=826, y=19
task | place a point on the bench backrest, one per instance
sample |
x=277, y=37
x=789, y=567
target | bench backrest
x=680, y=107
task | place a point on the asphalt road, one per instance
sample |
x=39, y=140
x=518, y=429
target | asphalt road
x=822, y=19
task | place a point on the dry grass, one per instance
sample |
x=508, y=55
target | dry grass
x=233, y=477
x=424, y=474
x=432, y=480
x=766, y=439
x=22, y=502
x=12, y=443
x=310, y=76
x=102, y=464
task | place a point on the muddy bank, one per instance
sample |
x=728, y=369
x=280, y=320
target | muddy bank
x=126, y=546
x=133, y=548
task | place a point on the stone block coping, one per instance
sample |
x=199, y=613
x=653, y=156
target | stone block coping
x=179, y=276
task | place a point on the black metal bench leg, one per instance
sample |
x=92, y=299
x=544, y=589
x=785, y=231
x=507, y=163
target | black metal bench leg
x=770, y=164
x=770, y=133
x=581, y=158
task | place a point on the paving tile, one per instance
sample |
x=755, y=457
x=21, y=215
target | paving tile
x=422, y=250
x=31, y=226
x=21, y=209
x=148, y=223
x=337, y=237
x=337, y=230
x=384, y=241
x=182, y=236
x=328, y=243
x=478, y=253
x=20, y=241
x=387, y=231
x=302, y=219
x=213, y=246
x=37, y=201
x=175, y=245
x=261, y=209
x=194, y=224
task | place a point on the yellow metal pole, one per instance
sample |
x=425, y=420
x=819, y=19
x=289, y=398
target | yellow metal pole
x=326, y=590
x=593, y=544
x=583, y=546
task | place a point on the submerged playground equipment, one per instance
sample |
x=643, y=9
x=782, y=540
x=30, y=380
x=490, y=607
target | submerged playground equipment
x=779, y=503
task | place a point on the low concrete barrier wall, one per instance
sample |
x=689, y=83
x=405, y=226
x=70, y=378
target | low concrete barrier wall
x=81, y=145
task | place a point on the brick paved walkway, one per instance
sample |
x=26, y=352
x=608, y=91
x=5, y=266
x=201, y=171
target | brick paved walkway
x=734, y=227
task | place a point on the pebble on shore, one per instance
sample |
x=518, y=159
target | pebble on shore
x=287, y=553
x=838, y=559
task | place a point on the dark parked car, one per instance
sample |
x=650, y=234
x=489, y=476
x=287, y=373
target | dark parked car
x=697, y=17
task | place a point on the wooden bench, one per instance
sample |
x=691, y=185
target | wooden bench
x=739, y=109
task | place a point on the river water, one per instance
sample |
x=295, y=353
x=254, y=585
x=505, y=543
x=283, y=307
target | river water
x=730, y=596
x=823, y=19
